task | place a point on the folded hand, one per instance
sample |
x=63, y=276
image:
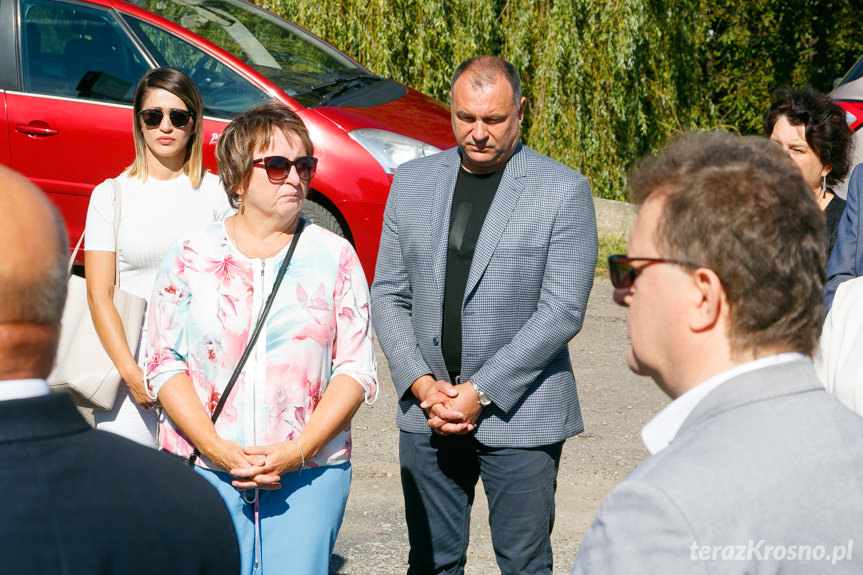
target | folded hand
x=270, y=463
x=230, y=455
x=452, y=409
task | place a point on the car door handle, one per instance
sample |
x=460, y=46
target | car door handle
x=37, y=128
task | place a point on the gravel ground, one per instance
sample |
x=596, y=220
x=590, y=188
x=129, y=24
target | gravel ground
x=615, y=404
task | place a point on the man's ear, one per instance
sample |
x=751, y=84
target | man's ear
x=710, y=302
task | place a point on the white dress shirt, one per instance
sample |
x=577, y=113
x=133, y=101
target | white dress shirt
x=23, y=388
x=660, y=431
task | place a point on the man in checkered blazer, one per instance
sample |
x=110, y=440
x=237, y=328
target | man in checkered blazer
x=485, y=267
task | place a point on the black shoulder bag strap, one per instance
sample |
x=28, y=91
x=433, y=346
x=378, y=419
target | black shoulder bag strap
x=254, y=338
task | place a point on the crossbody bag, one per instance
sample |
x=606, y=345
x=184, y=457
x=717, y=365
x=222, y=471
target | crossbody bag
x=254, y=338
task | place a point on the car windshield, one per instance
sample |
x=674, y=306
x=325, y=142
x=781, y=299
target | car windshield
x=854, y=73
x=306, y=68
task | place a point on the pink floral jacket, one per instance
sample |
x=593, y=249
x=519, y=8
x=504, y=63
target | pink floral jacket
x=205, y=303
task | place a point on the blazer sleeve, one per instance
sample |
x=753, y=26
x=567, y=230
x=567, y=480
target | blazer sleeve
x=559, y=314
x=846, y=261
x=392, y=302
x=639, y=529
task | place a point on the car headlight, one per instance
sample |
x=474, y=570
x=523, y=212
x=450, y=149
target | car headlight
x=391, y=150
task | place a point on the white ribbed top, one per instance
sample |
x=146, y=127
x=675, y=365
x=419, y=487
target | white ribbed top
x=152, y=215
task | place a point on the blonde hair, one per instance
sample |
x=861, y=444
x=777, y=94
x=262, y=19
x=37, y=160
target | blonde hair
x=178, y=83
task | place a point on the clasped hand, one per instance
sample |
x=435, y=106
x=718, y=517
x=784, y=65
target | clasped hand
x=260, y=466
x=451, y=409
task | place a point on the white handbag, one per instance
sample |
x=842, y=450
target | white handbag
x=82, y=365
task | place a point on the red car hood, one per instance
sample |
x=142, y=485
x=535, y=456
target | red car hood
x=414, y=115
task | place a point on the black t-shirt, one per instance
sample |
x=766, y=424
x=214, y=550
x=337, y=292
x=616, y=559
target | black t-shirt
x=470, y=203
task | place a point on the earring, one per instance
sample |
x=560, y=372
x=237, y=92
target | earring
x=824, y=183
x=241, y=209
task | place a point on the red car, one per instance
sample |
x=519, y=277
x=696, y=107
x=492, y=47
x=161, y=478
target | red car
x=71, y=68
x=848, y=93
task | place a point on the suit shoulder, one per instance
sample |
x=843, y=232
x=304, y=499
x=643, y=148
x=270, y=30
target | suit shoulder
x=173, y=485
x=550, y=166
x=700, y=457
x=139, y=464
x=424, y=165
x=173, y=506
x=638, y=529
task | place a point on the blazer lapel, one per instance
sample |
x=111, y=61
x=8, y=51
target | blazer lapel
x=505, y=200
x=439, y=218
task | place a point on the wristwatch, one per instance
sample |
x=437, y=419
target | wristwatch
x=481, y=398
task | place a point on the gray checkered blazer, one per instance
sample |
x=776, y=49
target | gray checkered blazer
x=525, y=298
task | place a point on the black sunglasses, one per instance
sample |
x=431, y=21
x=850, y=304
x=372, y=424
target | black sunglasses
x=623, y=274
x=279, y=167
x=153, y=117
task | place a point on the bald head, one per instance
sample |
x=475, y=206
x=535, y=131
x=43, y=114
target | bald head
x=33, y=279
x=33, y=254
x=485, y=71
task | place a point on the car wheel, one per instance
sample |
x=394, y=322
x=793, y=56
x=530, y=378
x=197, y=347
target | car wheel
x=318, y=214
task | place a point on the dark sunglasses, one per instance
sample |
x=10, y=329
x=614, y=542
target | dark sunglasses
x=279, y=167
x=623, y=274
x=153, y=117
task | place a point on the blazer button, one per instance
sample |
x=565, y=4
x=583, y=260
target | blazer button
x=436, y=341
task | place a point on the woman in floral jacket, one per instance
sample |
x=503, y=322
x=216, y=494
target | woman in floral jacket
x=280, y=450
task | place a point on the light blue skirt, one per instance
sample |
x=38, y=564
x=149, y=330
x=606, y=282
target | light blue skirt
x=298, y=523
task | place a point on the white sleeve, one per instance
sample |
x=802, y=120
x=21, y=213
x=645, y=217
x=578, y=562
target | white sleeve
x=99, y=230
x=215, y=192
x=837, y=359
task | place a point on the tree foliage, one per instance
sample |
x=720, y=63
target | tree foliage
x=607, y=80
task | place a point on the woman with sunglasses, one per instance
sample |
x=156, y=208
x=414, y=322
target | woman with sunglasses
x=279, y=451
x=165, y=191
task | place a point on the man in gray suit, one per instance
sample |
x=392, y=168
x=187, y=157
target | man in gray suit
x=754, y=467
x=484, y=271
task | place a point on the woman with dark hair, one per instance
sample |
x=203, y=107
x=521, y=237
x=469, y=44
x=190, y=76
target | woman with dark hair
x=279, y=450
x=812, y=130
x=165, y=191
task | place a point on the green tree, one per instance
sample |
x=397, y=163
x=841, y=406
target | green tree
x=607, y=81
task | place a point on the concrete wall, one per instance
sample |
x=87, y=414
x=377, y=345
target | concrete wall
x=613, y=217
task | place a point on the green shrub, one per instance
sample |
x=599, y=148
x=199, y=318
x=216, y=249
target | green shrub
x=609, y=245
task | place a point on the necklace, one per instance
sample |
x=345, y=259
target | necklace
x=240, y=249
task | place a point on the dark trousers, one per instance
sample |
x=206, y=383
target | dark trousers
x=439, y=476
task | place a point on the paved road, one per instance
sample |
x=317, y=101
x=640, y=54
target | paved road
x=615, y=404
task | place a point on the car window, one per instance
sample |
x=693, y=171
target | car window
x=78, y=52
x=225, y=92
x=295, y=60
x=855, y=73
